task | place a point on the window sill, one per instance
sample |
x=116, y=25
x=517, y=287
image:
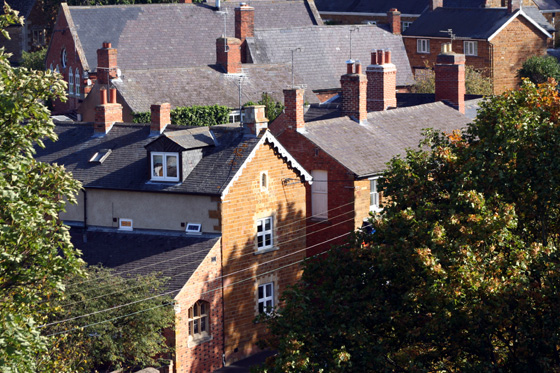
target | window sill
x=267, y=250
x=199, y=341
x=321, y=220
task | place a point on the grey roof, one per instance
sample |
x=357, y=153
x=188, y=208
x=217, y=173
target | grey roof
x=193, y=138
x=372, y=6
x=366, y=149
x=473, y=23
x=204, y=85
x=126, y=168
x=538, y=17
x=547, y=5
x=130, y=253
x=155, y=36
x=22, y=6
x=325, y=50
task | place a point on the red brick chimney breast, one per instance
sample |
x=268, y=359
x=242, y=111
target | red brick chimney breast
x=107, y=114
x=293, y=112
x=450, y=79
x=244, y=26
x=106, y=63
x=160, y=117
x=228, y=54
x=381, y=81
x=394, y=18
x=513, y=5
x=354, y=94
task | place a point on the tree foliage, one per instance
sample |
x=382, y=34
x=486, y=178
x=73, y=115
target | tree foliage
x=539, y=69
x=461, y=273
x=199, y=116
x=476, y=82
x=36, y=252
x=128, y=337
x=34, y=60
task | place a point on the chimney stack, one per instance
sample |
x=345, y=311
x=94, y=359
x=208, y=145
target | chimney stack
x=107, y=113
x=255, y=119
x=244, y=27
x=160, y=118
x=394, y=18
x=293, y=108
x=228, y=54
x=513, y=6
x=354, y=90
x=434, y=4
x=450, y=78
x=106, y=63
x=381, y=81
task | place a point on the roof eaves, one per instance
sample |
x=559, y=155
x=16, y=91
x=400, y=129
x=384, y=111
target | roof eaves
x=515, y=15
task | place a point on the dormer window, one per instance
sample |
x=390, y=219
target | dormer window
x=164, y=166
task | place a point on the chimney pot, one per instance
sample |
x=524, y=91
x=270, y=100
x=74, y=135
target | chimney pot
x=381, y=82
x=358, y=67
x=113, y=95
x=103, y=95
x=374, y=57
x=387, y=56
x=349, y=66
x=380, y=57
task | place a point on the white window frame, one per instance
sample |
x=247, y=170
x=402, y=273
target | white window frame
x=201, y=320
x=234, y=116
x=265, y=303
x=125, y=227
x=263, y=181
x=64, y=57
x=77, y=82
x=423, y=45
x=70, y=83
x=193, y=228
x=470, y=47
x=405, y=25
x=264, y=233
x=374, y=198
x=164, y=176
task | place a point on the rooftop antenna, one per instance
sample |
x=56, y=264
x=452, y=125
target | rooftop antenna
x=449, y=31
x=352, y=29
x=224, y=13
x=294, y=49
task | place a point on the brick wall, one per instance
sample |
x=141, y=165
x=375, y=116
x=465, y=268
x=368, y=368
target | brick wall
x=243, y=266
x=205, y=284
x=62, y=39
x=361, y=201
x=513, y=46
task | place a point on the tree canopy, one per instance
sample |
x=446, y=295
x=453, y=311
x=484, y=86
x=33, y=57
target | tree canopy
x=461, y=273
x=36, y=252
x=539, y=68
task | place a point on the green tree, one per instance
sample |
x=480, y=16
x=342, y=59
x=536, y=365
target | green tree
x=476, y=82
x=34, y=60
x=125, y=338
x=196, y=115
x=36, y=253
x=461, y=273
x=539, y=69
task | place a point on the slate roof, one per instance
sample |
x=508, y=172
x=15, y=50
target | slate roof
x=22, y=6
x=547, y=5
x=326, y=49
x=365, y=149
x=371, y=6
x=472, y=23
x=126, y=168
x=203, y=85
x=131, y=253
x=156, y=36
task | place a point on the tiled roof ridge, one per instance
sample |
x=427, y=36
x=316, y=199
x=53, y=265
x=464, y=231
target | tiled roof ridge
x=328, y=27
x=201, y=5
x=248, y=65
x=373, y=114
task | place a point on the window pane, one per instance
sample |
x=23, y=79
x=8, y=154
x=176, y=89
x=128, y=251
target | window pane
x=171, y=166
x=261, y=308
x=158, y=165
x=196, y=310
x=202, y=309
x=190, y=328
x=195, y=326
x=260, y=241
x=268, y=241
x=268, y=223
x=261, y=289
x=259, y=226
x=268, y=290
x=203, y=324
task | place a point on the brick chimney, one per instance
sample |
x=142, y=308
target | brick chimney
x=354, y=91
x=450, y=78
x=513, y=5
x=254, y=119
x=381, y=81
x=228, y=54
x=106, y=63
x=293, y=109
x=434, y=4
x=394, y=21
x=244, y=27
x=107, y=113
x=160, y=118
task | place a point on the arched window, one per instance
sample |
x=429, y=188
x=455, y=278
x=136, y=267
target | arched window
x=57, y=69
x=77, y=82
x=71, y=83
x=51, y=68
x=199, y=320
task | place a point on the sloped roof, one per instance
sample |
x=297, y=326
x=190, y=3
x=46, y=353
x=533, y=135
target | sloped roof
x=473, y=23
x=371, y=6
x=156, y=36
x=203, y=85
x=126, y=168
x=325, y=49
x=366, y=149
x=132, y=253
x=547, y=5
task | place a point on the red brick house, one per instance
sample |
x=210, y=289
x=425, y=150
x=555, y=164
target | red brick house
x=150, y=39
x=494, y=40
x=219, y=210
x=348, y=152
